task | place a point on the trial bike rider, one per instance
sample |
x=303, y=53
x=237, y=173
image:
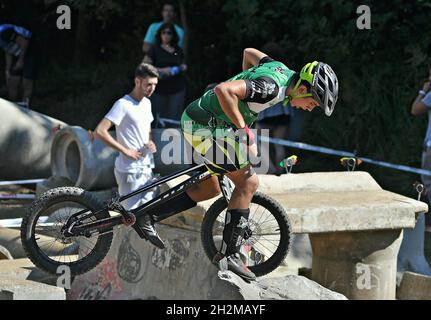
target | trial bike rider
x=219, y=123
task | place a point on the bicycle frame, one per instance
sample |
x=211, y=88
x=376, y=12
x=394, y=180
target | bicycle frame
x=201, y=173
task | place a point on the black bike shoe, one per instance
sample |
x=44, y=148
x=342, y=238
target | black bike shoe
x=235, y=263
x=151, y=232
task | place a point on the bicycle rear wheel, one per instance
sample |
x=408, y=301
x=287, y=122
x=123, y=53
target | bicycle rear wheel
x=44, y=242
x=267, y=238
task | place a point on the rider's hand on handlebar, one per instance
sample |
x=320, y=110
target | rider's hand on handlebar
x=134, y=154
x=245, y=135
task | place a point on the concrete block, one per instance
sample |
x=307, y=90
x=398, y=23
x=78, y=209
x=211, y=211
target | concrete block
x=360, y=265
x=414, y=286
x=18, y=289
x=322, y=209
x=24, y=269
x=135, y=269
x=317, y=182
x=349, y=211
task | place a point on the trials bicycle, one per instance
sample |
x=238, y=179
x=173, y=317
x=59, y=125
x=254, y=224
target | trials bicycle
x=70, y=226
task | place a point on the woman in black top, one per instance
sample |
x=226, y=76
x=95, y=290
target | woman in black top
x=168, y=58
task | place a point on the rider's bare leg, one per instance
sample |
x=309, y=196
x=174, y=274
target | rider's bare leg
x=205, y=190
x=246, y=183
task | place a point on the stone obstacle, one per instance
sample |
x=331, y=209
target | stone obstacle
x=21, y=280
x=354, y=226
x=414, y=286
x=134, y=269
x=16, y=289
x=288, y=287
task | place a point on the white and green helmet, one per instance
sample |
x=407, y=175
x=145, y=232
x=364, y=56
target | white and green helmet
x=323, y=83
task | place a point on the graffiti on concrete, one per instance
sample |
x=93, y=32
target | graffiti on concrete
x=129, y=261
x=94, y=291
x=102, y=283
x=173, y=256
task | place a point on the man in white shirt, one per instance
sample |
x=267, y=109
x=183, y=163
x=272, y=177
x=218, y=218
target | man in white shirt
x=132, y=118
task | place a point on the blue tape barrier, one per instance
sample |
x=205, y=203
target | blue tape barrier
x=309, y=147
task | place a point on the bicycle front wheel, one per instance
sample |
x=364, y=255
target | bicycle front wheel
x=267, y=238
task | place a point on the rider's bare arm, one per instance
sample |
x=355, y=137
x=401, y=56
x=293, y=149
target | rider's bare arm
x=228, y=94
x=102, y=133
x=251, y=57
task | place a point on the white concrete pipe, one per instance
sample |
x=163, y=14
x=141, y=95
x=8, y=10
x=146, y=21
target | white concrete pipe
x=88, y=163
x=25, y=142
